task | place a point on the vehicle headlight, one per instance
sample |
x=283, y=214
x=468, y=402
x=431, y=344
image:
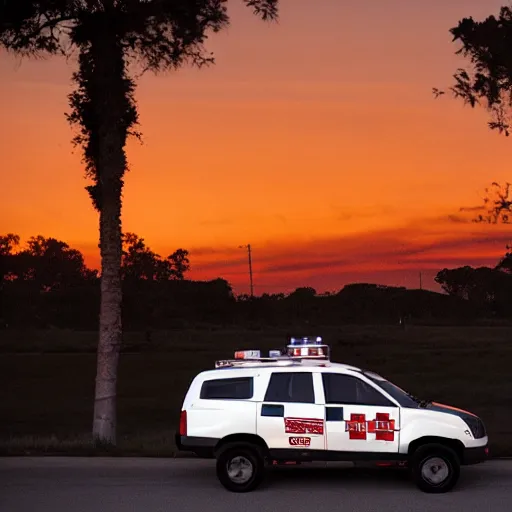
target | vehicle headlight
x=476, y=425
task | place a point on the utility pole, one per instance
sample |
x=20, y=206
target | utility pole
x=421, y=284
x=248, y=247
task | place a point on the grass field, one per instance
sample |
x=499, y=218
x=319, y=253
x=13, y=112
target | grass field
x=46, y=392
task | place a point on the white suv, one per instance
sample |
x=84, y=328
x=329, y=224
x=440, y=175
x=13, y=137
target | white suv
x=251, y=411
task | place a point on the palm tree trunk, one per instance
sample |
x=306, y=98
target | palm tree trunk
x=110, y=97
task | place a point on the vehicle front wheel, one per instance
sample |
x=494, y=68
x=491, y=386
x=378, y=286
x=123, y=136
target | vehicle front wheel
x=435, y=468
x=240, y=468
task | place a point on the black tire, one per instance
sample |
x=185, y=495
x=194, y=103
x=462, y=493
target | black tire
x=430, y=460
x=251, y=457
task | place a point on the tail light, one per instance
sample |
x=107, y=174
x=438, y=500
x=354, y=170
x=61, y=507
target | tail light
x=183, y=423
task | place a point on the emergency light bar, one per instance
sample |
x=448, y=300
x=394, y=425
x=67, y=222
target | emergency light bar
x=308, y=347
x=321, y=352
x=247, y=354
x=256, y=354
x=306, y=340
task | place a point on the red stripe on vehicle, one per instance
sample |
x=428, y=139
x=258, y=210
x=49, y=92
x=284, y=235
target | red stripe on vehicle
x=303, y=426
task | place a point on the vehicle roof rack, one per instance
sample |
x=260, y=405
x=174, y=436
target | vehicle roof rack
x=269, y=361
x=257, y=361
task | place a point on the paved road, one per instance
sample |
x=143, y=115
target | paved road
x=182, y=485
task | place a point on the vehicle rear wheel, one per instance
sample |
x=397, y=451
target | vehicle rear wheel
x=240, y=468
x=435, y=468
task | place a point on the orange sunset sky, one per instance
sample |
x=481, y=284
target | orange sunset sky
x=316, y=139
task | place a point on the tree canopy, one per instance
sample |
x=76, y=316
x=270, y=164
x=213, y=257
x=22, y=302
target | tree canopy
x=140, y=262
x=153, y=35
x=487, y=81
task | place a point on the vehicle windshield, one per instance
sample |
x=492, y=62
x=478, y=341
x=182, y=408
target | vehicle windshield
x=402, y=397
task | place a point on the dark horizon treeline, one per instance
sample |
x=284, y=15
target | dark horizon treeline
x=46, y=284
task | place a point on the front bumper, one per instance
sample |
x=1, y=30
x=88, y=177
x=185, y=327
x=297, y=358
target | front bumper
x=475, y=455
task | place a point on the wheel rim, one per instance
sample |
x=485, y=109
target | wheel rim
x=435, y=470
x=240, y=470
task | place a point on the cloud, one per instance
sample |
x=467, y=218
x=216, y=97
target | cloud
x=386, y=256
x=214, y=251
x=472, y=208
x=458, y=219
x=390, y=256
x=393, y=253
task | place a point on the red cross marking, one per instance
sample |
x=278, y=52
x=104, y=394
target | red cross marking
x=356, y=426
x=383, y=427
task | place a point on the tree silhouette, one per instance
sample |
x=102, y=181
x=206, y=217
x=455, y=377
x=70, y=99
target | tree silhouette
x=141, y=263
x=50, y=264
x=46, y=284
x=497, y=209
x=488, y=44
x=109, y=36
x=488, y=82
x=505, y=264
x=144, y=273
x=458, y=282
x=303, y=293
x=487, y=287
x=7, y=245
x=498, y=203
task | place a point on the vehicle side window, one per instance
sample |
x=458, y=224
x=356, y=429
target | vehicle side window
x=291, y=387
x=346, y=389
x=240, y=388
